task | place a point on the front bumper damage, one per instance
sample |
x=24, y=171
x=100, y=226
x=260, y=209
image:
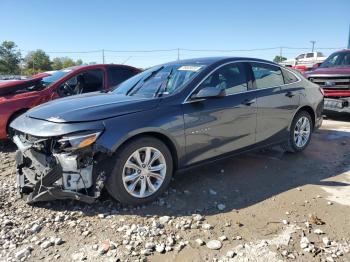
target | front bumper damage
x=44, y=175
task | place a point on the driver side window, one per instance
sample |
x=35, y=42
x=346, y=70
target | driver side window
x=231, y=78
x=83, y=82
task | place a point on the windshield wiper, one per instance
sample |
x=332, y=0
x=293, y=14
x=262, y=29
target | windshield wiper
x=131, y=90
x=153, y=74
x=162, y=87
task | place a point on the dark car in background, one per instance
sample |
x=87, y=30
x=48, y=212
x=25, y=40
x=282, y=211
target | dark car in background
x=167, y=118
x=333, y=75
x=18, y=96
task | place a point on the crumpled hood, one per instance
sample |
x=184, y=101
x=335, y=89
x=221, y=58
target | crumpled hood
x=329, y=71
x=12, y=86
x=90, y=107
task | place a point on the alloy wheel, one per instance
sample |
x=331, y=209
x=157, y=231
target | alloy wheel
x=302, y=132
x=144, y=172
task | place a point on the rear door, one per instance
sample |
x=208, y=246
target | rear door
x=276, y=102
x=217, y=126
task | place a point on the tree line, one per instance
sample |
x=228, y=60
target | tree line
x=279, y=59
x=12, y=63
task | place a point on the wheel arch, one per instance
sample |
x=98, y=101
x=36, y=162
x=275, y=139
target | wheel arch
x=170, y=143
x=15, y=115
x=308, y=109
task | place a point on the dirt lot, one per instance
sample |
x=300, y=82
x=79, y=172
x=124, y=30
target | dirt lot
x=264, y=206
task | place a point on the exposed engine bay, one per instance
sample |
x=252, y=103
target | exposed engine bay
x=45, y=171
x=23, y=88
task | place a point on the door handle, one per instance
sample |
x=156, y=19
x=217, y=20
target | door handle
x=248, y=102
x=290, y=94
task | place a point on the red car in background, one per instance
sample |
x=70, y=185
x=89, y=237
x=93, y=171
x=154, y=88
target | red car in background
x=333, y=75
x=18, y=96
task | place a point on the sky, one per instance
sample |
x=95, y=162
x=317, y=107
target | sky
x=90, y=25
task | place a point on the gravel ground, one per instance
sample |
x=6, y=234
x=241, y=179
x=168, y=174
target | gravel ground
x=263, y=206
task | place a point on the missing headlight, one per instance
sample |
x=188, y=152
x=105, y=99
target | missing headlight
x=75, y=177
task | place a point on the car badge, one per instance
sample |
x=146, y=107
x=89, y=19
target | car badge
x=329, y=83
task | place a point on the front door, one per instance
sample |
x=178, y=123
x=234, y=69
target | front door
x=82, y=82
x=217, y=126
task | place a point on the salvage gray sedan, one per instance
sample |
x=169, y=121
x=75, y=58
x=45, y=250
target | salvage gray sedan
x=167, y=118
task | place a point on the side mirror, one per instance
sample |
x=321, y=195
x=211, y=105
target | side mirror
x=209, y=92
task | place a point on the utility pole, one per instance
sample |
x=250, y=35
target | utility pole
x=178, y=54
x=313, y=45
x=103, y=56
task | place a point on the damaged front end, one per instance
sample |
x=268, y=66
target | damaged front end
x=60, y=167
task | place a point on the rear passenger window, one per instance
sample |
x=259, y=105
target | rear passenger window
x=230, y=77
x=309, y=55
x=289, y=77
x=116, y=75
x=267, y=75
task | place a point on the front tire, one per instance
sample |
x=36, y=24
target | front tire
x=300, y=133
x=142, y=171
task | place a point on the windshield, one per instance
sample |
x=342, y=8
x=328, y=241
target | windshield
x=55, y=77
x=341, y=59
x=159, y=80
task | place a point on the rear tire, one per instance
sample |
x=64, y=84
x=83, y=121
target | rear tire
x=300, y=133
x=142, y=171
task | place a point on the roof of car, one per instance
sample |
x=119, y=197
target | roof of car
x=98, y=65
x=343, y=51
x=211, y=60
